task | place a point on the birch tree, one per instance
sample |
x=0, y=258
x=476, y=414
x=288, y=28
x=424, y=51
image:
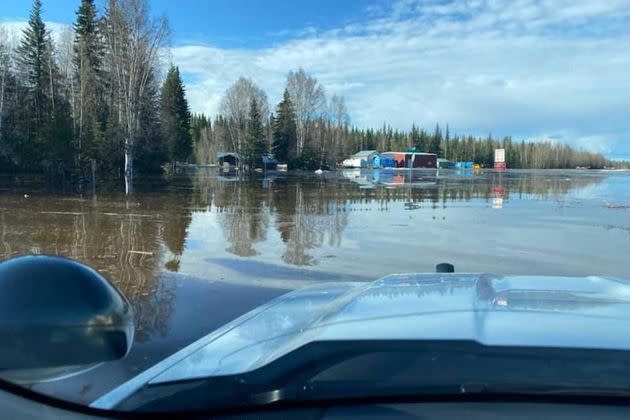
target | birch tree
x=235, y=107
x=309, y=100
x=135, y=42
x=4, y=76
x=338, y=114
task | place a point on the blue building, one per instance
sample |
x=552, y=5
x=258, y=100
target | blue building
x=382, y=161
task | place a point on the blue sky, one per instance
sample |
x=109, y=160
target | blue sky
x=227, y=23
x=533, y=69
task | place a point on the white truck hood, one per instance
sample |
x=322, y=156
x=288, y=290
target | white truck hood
x=586, y=312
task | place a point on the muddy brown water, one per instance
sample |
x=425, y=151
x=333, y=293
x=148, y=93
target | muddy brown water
x=195, y=250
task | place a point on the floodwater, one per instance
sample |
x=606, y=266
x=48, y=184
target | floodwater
x=194, y=250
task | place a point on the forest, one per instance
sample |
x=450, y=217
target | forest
x=104, y=92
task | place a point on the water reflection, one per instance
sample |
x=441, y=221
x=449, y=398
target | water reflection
x=133, y=239
x=128, y=240
x=308, y=214
x=454, y=185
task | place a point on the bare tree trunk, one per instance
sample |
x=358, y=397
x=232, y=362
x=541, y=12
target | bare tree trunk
x=81, y=103
x=128, y=167
x=50, y=76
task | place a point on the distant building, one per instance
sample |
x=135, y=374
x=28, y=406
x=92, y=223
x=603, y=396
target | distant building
x=229, y=158
x=445, y=164
x=361, y=159
x=412, y=159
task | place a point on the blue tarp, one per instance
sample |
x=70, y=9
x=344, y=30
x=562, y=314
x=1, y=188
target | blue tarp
x=388, y=162
x=269, y=159
x=380, y=161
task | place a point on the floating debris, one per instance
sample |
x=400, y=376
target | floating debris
x=617, y=206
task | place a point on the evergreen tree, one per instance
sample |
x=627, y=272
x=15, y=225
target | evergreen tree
x=447, y=139
x=285, y=130
x=255, y=137
x=436, y=141
x=49, y=136
x=175, y=117
x=33, y=55
x=204, y=142
x=425, y=141
x=91, y=110
x=415, y=137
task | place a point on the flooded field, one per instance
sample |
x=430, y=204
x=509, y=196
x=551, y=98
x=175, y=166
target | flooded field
x=195, y=250
x=288, y=230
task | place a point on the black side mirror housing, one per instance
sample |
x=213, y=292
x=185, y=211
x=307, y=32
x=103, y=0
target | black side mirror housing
x=58, y=317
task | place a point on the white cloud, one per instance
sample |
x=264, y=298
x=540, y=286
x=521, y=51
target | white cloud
x=522, y=68
x=596, y=143
x=14, y=29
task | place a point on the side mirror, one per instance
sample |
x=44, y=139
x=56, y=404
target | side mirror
x=58, y=317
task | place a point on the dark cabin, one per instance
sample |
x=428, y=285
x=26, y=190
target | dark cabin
x=420, y=160
x=230, y=158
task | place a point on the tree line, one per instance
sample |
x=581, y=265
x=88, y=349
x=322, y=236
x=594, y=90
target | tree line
x=98, y=94
x=308, y=131
x=94, y=94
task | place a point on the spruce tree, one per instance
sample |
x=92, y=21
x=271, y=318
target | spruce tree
x=33, y=53
x=285, y=130
x=49, y=113
x=175, y=117
x=91, y=110
x=254, y=138
x=436, y=141
x=415, y=139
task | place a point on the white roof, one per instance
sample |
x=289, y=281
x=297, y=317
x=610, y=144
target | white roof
x=364, y=153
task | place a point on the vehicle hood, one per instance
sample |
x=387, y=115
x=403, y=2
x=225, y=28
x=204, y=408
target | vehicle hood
x=575, y=312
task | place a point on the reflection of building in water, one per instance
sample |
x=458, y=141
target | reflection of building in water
x=391, y=177
x=392, y=185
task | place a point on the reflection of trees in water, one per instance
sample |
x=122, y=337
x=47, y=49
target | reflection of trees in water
x=307, y=214
x=310, y=212
x=300, y=231
x=126, y=240
x=240, y=203
x=242, y=215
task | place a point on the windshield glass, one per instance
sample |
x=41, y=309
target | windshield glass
x=250, y=171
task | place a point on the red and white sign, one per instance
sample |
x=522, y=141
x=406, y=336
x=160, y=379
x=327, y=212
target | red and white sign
x=500, y=166
x=499, y=155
